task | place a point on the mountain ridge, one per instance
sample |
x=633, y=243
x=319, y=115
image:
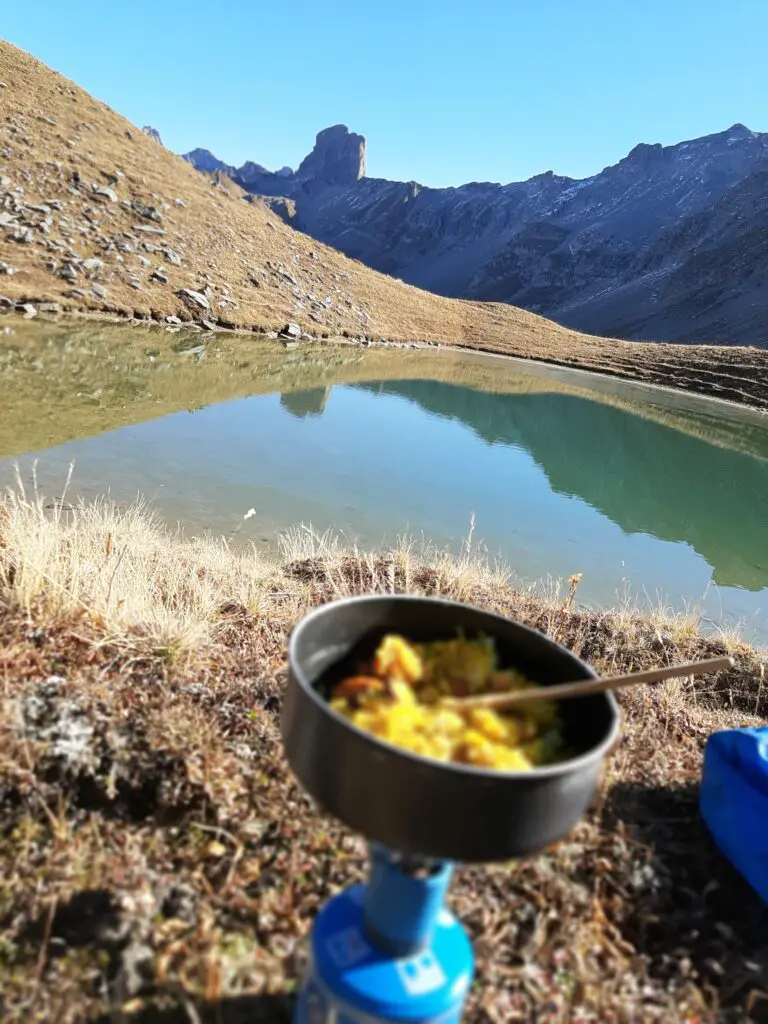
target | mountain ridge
x=574, y=250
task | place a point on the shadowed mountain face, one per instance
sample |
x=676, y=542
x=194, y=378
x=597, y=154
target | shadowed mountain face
x=644, y=477
x=669, y=243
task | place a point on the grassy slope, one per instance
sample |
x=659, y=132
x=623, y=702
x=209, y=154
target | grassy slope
x=52, y=129
x=159, y=864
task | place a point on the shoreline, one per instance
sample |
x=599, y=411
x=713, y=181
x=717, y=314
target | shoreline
x=664, y=383
x=606, y=375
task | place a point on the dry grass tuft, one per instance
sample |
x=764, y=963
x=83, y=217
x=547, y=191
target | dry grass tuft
x=346, y=570
x=144, y=584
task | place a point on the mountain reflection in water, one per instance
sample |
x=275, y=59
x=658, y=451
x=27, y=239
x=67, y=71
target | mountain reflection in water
x=642, y=476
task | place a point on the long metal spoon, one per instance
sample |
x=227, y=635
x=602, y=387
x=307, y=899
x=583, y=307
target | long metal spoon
x=584, y=687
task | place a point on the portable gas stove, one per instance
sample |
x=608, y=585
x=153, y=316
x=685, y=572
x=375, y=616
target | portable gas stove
x=390, y=950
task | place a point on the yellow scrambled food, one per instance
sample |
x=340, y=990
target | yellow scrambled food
x=403, y=697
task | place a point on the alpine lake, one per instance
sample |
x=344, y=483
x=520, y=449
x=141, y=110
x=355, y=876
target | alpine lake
x=655, y=497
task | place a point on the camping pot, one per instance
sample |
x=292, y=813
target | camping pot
x=413, y=804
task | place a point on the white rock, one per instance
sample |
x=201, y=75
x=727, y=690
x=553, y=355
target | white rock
x=193, y=298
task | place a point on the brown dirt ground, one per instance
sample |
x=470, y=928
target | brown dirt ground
x=159, y=863
x=57, y=142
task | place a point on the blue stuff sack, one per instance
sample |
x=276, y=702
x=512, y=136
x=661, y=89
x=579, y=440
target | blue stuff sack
x=734, y=800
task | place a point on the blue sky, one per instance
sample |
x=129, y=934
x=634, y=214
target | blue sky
x=445, y=92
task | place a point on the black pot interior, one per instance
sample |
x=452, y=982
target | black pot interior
x=585, y=721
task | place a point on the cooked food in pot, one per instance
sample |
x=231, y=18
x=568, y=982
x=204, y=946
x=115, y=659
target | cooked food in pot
x=403, y=697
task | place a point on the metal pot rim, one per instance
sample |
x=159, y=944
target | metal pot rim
x=567, y=767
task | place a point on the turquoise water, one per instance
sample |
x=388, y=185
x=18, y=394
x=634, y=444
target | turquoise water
x=558, y=482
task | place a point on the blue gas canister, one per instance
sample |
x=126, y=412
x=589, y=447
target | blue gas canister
x=388, y=951
x=734, y=800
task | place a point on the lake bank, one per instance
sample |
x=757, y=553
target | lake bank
x=731, y=374
x=46, y=413
x=159, y=859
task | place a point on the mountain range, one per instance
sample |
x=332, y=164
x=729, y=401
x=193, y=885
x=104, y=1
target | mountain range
x=670, y=243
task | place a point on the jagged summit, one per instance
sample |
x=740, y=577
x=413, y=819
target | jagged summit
x=338, y=158
x=153, y=133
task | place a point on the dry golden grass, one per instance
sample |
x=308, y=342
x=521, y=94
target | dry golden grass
x=53, y=129
x=152, y=586
x=154, y=591
x=134, y=576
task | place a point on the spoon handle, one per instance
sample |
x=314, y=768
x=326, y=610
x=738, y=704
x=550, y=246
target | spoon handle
x=584, y=687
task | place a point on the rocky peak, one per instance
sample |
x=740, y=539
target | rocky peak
x=204, y=160
x=153, y=133
x=251, y=172
x=337, y=159
x=645, y=153
x=740, y=131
